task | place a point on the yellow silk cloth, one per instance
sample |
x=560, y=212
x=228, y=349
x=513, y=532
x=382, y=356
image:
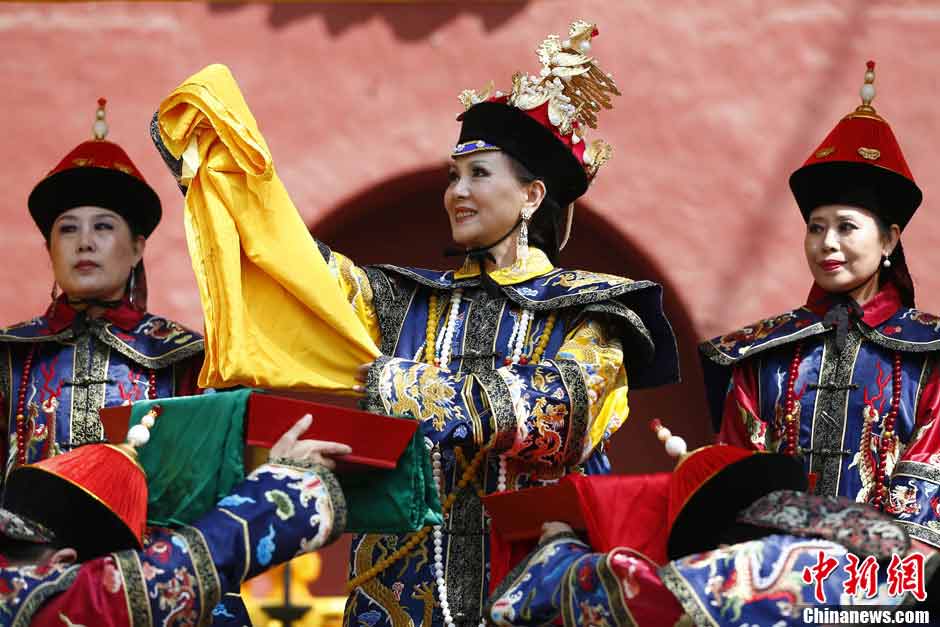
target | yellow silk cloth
x=275, y=316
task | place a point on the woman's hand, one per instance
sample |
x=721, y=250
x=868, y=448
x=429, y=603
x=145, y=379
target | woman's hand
x=553, y=528
x=290, y=449
x=361, y=373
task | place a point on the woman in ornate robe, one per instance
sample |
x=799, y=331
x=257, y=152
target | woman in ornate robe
x=96, y=345
x=849, y=381
x=518, y=369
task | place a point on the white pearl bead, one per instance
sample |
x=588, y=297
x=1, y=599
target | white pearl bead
x=148, y=420
x=663, y=434
x=869, y=76
x=675, y=446
x=585, y=46
x=138, y=435
x=868, y=92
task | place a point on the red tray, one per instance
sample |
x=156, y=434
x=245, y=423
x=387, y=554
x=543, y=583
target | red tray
x=377, y=441
x=519, y=515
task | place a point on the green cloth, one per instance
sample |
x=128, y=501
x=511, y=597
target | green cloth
x=394, y=501
x=195, y=455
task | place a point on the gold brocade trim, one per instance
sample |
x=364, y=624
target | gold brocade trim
x=135, y=588
x=822, y=153
x=193, y=347
x=210, y=588
x=536, y=265
x=245, y=536
x=89, y=363
x=42, y=593
x=872, y=154
x=686, y=595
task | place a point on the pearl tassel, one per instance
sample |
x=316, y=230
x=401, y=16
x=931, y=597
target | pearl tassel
x=438, y=538
x=501, y=478
x=524, y=320
x=445, y=349
x=438, y=535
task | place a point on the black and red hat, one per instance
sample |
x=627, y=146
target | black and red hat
x=92, y=498
x=859, y=163
x=541, y=121
x=710, y=485
x=96, y=173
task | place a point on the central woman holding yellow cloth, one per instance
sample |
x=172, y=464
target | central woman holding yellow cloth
x=517, y=369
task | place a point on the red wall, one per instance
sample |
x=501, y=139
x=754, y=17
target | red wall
x=357, y=101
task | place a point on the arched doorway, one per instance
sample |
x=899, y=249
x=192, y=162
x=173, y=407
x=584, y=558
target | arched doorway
x=402, y=221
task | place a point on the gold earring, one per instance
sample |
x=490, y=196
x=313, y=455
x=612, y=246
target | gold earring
x=522, y=242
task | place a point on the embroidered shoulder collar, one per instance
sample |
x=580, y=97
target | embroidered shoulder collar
x=557, y=288
x=154, y=342
x=908, y=330
x=762, y=335
x=535, y=265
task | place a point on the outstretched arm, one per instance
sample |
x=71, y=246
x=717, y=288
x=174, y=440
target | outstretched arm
x=289, y=506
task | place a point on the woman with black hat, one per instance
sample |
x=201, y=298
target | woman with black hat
x=96, y=345
x=517, y=368
x=847, y=382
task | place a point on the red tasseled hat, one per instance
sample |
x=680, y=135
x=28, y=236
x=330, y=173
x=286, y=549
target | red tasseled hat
x=712, y=484
x=92, y=499
x=96, y=173
x=859, y=163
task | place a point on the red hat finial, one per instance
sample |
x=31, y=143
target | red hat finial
x=675, y=446
x=139, y=434
x=868, y=89
x=100, y=128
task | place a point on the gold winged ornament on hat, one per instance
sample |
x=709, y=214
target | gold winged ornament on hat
x=570, y=82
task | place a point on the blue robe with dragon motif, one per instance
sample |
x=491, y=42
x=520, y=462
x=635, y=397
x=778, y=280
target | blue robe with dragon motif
x=842, y=396
x=79, y=365
x=543, y=400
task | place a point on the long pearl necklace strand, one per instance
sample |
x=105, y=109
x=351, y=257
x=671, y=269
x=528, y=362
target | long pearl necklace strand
x=437, y=532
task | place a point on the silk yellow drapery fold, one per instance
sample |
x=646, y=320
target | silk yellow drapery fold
x=274, y=314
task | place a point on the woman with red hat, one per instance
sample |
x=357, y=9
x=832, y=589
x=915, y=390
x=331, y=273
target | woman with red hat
x=517, y=368
x=848, y=382
x=96, y=345
x=737, y=534
x=74, y=551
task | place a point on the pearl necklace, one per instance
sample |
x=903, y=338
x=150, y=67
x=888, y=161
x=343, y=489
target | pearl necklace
x=438, y=534
x=520, y=330
x=445, y=340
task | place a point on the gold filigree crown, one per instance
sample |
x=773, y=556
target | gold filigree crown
x=568, y=93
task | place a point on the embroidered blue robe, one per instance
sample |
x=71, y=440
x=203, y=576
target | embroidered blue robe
x=842, y=397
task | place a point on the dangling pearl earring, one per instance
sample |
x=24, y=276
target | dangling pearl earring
x=887, y=262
